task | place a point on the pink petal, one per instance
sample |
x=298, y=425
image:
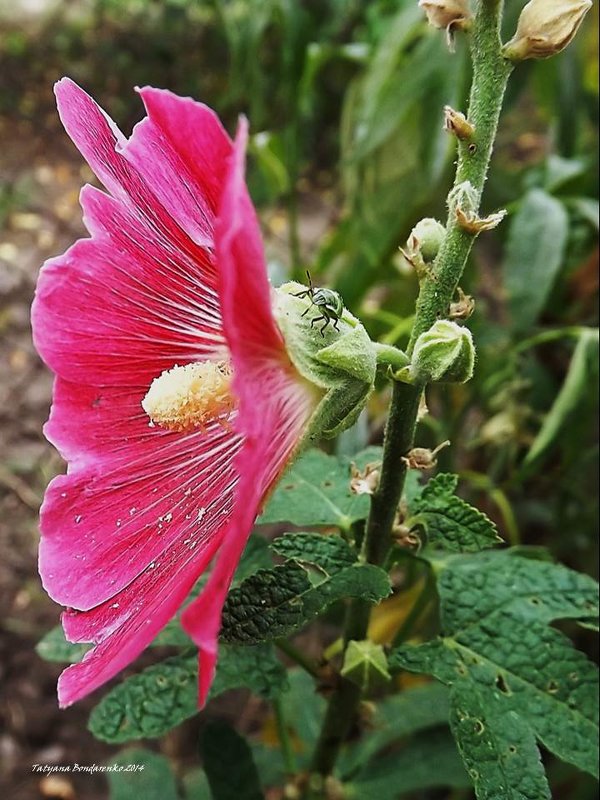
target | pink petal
x=274, y=425
x=183, y=179
x=193, y=148
x=123, y=306
x=126, y=624
x=131, y=493
x=251, y=330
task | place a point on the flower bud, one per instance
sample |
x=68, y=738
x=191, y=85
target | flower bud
x=446, y=13
x=365, y=664
x=445, y=353
x=545, y=28
x=426, y=238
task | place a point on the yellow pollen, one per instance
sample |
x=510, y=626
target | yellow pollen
x=190, y=396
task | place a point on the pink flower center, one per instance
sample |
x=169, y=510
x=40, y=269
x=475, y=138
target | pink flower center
x=191, y=396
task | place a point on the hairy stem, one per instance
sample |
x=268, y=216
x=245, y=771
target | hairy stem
x=490, y=76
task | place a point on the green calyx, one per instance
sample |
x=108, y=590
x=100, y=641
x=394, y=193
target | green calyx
x=445, y=353
x=330, y=349
x=365, y=664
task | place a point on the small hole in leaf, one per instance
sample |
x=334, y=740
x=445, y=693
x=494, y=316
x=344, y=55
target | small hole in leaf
x=512, y=749
x=327, y=483
x=552, y=687
x=461, y=669
x=474, y=774
x=472, y=148
x=479, y=727
x=502, y=685
x=535, y=601
x=574, y=676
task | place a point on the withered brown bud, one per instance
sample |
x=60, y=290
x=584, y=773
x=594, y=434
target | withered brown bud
x=423, y=457
x=364, y=482
x=473, y=224
x=545, y=28
x=446, y=13
x=463, y=307
x=456, y=123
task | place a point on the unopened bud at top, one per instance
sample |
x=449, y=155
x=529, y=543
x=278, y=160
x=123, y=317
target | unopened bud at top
x=545, y=28
x=446, y=13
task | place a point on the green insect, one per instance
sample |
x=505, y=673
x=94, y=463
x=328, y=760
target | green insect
x=328, y=302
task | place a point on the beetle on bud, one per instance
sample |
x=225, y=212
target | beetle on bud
x=327, y=301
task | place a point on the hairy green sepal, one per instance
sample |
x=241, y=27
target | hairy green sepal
x=341, y=363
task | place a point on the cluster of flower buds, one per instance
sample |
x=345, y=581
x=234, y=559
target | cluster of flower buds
x=545, y=28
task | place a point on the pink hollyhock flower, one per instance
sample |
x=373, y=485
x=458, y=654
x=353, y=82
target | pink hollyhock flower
x=172, y=276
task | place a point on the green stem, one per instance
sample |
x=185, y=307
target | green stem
x=345, y=698
x=284, y=737
x=389, y=356
x=490, y=76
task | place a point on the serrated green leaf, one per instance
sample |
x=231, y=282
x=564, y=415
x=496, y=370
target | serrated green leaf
x=229, y=765
x=316, y=491
x=450, y=522
x=427, y=761
x=474, y=587
x=534, y=254
x=54, y=647
x=582, y=373
x=497, y=747
x=275, y=603
x=155, y=781
x=513, y=678
x=329, y=553
x=163, y=695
